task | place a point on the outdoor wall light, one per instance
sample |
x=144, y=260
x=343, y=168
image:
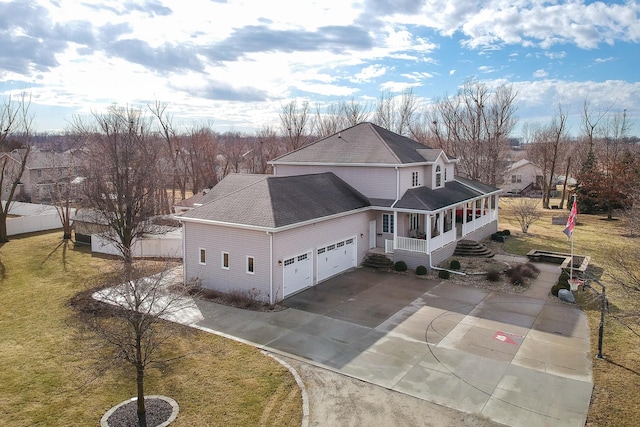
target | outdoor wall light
x=280, y=262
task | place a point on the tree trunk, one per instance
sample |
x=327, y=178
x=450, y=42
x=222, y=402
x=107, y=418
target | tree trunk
x=3, y=228
x=142, y=413
x=564, y=186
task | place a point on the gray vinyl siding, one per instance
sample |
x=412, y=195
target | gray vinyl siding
x=373, y=182
x=406, y=177
x=238, y=243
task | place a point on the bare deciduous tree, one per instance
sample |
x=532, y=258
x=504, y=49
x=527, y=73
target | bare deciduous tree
x=474, y=126
x=15, y=131
x=266, y=146
x=355, y=112
x=61, y=188
x=131, y=329
x=396, y=114
x=122, y=178
x=545, y=149
x=525, y=211
x=294, y=124
x=201, y=157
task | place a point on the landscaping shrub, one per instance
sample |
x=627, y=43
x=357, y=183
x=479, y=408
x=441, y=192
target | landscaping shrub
x=498, y=237
x=421, y=270
x=247, y=299
x=454, y=265
x=444, y=274
x=493, y=275
x=400, y=266
x=555, y=288
x=517, y=278
x=522, y=270
x=505, y=233
x=526, y=271
x=532, y=267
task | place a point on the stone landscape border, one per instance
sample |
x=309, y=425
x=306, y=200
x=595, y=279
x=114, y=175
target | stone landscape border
x=174, y=413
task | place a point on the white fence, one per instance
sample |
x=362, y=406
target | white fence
x=167, y=245
x=32, y=217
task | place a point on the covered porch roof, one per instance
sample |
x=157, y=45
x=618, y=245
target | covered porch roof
x=453, y=193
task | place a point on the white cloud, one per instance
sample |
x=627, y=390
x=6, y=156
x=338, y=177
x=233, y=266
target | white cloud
x=555, y=55
x=397, y=87
x=540, y=74
x=452, y=72
x=369, y=73
x=486, y=69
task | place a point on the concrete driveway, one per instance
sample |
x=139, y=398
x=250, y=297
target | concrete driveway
x=516, y=359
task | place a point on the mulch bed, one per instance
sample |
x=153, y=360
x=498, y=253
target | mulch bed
x=158, y=411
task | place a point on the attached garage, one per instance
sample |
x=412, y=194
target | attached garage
x=297, y=273
x=335, y=258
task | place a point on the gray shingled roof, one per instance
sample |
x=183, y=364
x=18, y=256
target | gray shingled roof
x=226, y=186
x=485, y=188
x=453, y=192
x=273, y=201
x=364, y=143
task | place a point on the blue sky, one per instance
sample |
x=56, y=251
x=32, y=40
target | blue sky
x=234, y=63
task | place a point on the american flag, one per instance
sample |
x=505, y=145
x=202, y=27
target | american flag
x=571, y=222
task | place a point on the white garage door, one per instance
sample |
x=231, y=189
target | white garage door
x=336, y=258
x=297, y=273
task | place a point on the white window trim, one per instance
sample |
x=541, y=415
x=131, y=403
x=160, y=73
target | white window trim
x=415, y=179
x=253, y=264
x=202, y=251
x=390, y=223
x=222, y=260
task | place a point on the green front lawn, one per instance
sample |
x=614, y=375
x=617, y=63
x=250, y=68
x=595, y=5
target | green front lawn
x=45, y=380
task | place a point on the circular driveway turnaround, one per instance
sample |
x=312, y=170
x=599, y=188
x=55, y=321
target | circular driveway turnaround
x=514, y=359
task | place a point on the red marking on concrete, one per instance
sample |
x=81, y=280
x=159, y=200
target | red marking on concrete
x=508, y=337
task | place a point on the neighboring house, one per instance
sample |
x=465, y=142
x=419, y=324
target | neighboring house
x=45, y=176
x=327, y=205
x=523, y=178
x=189, y=203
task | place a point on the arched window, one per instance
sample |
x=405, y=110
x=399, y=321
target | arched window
x=438, y=176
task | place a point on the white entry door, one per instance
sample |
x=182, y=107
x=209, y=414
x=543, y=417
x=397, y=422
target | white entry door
x=372, y=234
x=297, y=273
x=336, y=258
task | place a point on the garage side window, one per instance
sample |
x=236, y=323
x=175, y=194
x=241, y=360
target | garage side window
x=387, y=223
x=225, y=260
x=250, y=266
x=202, y=256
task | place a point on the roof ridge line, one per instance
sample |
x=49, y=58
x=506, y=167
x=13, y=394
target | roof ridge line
x=373, y=127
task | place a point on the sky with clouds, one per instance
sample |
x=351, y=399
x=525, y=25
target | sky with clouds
x=234, y=63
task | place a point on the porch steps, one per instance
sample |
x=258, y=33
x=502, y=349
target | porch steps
x=377, y=261
x=473, y=248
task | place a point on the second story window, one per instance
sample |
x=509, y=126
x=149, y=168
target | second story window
x=414, y=179
x=438, y=176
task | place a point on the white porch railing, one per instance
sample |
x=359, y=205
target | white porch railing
x=388, y=246
x=412, y=245
x=443, y=239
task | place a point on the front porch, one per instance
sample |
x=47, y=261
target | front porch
x=430, y=231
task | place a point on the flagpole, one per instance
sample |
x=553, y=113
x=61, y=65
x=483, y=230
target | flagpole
x=571, y=264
